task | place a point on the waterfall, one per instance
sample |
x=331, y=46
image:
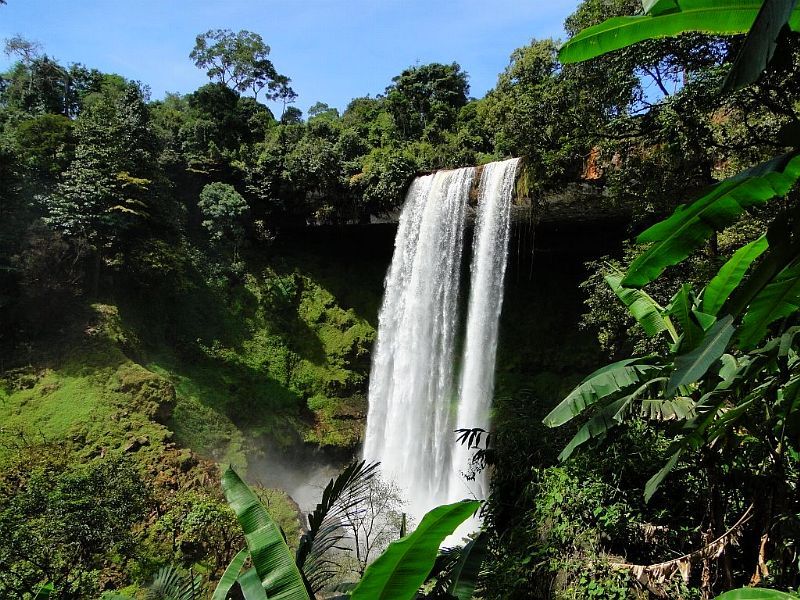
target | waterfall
x=487, y=272
x=415, y=401
x=410, y=423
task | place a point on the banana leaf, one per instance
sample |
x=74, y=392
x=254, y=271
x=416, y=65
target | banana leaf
x=604, y=382
x=607, y=418
x=692, y=224
x=681, y=308
x=398, y=573
x=272, y=559
x=659, y=409
x=691, y=366
x=647, y=312
x=730, y=275
x=466, y=570
x=230, y=575
x=760, y=44
x=756, y=594
x=251, y=586
x=659, y=7
x=654, y=482
x=778, y=299
x=595, y=427
x=783, y=237
x=720, y=17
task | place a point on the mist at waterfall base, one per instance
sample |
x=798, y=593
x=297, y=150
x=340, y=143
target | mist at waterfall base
x=417, y=396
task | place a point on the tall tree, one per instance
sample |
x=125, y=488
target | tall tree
x=239, y=60
x=427, y=97
x=108, y=188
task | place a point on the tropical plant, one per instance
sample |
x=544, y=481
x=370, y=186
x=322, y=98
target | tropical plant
x=398, y=573
x=275, y=573
x=763, y=20
x=340, y=499
x=756, y=594
x=170, y=584
x=707, y=323
x=731, y=377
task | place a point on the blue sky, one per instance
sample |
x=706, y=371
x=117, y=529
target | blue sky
x=334, y=50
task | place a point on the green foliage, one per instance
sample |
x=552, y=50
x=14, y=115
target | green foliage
x=730, y=275
x=425, y=100
x=604, y=382
x=721, y=403
x=109, y=189
x=755, y=594
x=46, y=143
x=223, y=210
x=692, y=224
x=402, y=568
x=60, y=522
x=727, y=17
x=272, y=561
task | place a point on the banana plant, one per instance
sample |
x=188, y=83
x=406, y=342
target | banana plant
x=719, y=367
x=276, y=573
x=761, y=20
x=703, y=392
x=398, y=573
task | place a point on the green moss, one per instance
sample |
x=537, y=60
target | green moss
x=83, y=407
x=295, y=343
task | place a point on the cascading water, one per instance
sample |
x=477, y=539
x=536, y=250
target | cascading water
x=414, y=401
x=410, y=425
x=487, y=272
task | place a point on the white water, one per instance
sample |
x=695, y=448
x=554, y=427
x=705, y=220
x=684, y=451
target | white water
x=410, y=424
x=414, y=404
x=487, y=272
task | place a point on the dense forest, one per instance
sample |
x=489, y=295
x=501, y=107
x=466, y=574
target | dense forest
x=193, y=282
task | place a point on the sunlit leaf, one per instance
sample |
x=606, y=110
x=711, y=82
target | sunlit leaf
x=604, y=382
x=402, y=568
x=692, y=224
x=731, y=274
x=644, y=309
x=721, y=17
x=272, y=559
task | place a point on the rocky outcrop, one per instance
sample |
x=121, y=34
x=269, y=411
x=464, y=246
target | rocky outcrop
x=578, y=203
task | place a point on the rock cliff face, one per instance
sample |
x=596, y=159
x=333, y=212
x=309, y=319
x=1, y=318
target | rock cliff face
x=576, y=203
